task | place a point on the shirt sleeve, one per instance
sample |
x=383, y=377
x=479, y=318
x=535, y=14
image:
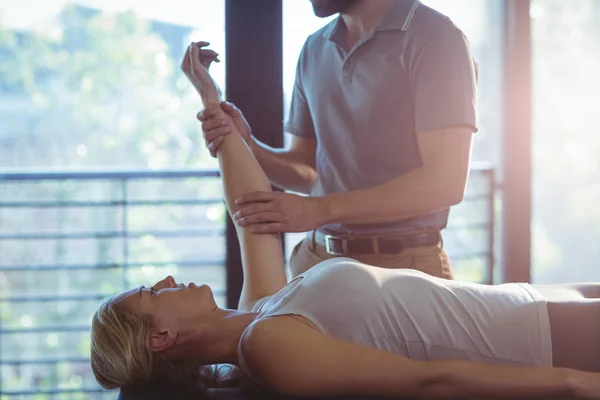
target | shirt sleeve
x=443, y=79
x=300, y=122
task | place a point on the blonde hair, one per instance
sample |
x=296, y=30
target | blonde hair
x=121, y=357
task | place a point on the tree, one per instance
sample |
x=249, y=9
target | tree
x=94, y=89
x=100, y=89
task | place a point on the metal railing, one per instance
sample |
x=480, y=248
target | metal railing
x=469, y=238
x=44, y=192
x=23, y=193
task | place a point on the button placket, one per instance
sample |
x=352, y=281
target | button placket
x=347, y=70
x=348, y=64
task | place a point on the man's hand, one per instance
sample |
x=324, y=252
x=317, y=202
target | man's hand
x=215, y=128
x=274, y=212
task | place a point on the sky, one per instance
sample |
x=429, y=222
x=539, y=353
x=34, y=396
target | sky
x=24, y=13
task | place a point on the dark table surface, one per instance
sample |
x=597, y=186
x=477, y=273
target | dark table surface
x=166, y=393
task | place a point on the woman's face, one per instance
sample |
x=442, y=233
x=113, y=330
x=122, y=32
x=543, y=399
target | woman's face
x=173, y=307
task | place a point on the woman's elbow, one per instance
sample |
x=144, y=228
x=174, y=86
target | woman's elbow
x=305, y=181
x=309, y=178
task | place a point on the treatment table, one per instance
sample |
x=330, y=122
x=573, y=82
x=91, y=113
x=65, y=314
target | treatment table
x=170, y=393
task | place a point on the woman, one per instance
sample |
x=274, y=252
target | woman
x=345, y=328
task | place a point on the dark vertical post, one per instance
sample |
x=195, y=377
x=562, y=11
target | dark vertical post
x=491, y=216
x=253, y=82
x=516, y=187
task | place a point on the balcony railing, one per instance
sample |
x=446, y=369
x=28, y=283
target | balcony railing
x=69, y=239
x=470, y=236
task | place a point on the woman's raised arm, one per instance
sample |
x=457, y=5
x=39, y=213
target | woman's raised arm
x=262, y=254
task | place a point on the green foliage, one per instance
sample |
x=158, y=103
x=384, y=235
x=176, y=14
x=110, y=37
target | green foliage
x=99, y=89
x=91, y=89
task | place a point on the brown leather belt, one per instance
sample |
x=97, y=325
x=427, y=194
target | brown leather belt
x=362, y=245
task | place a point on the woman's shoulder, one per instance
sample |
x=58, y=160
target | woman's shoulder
x=255, y=346
x=263, y=333
x=265, y=344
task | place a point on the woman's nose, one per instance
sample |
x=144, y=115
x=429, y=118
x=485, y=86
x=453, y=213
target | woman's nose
x=168, y=282
x=171, y=281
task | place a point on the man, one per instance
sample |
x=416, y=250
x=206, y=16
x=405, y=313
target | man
x=382, y=116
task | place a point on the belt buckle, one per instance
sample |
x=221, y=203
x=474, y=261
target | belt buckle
x=332, y=252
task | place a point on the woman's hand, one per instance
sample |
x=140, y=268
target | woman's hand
x=194, y=65
x=215, y=127
x=586, y=385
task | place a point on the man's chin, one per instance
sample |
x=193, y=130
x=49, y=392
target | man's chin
x=327, y=8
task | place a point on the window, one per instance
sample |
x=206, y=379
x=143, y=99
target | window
x=106, y=183
x=97, y=83
x=469, y=239
x=566, y=143
x=299, y=21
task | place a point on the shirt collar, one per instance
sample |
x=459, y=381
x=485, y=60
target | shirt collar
x=398, y=17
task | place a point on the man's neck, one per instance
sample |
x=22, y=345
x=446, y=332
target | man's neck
x=362, y=18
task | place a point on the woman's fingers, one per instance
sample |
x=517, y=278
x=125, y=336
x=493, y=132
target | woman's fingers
x=206, y=62
x=207, y=57
x=194, y=54
x=186, y=62
x=207, y=53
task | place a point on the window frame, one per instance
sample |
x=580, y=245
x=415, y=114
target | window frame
x=516, y=153
x=253, y=48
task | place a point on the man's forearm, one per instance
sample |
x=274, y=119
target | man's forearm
x=411, y=195
x=285, y=169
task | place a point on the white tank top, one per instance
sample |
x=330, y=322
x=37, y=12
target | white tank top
x=416, y=315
